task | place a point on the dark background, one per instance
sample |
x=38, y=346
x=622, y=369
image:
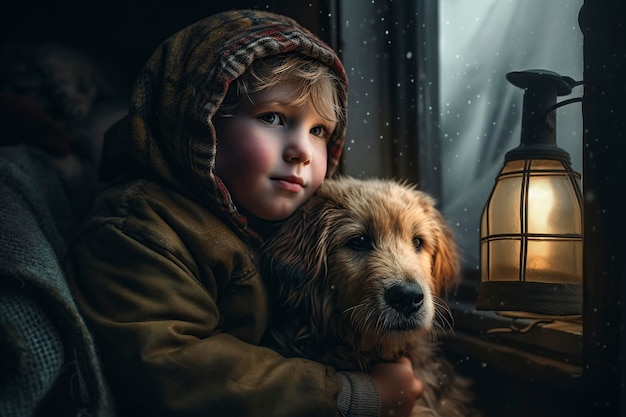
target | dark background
x=125, y=33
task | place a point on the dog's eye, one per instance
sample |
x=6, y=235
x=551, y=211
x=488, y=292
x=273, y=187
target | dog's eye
x=360, y=243
x=418, y=243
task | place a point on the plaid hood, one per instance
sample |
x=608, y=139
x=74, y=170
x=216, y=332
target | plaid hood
x=168, y=131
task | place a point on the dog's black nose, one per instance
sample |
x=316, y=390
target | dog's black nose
x=405, y=297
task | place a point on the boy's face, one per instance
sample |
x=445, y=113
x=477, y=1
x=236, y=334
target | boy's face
x=272, y=154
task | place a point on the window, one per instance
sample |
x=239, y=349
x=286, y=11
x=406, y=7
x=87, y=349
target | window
x=480, y=121
x=448, y=89
x=429, y=102
x=481, y=41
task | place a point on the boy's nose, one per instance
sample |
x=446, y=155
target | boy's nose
x=298, y=148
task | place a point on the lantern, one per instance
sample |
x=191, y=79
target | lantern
x=531, y=226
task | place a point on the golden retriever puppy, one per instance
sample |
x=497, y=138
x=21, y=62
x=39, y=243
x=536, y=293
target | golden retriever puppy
x=358, y=275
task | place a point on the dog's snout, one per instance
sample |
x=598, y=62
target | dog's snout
x=405, y=297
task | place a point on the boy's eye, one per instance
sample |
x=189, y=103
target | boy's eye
x=319, y=131
x=271, y=118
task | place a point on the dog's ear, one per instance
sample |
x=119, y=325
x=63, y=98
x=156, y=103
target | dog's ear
x=446, y=262
x=297, y=254
x=294, y=268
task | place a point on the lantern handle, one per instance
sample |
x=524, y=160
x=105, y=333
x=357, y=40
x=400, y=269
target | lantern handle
x=572, y=83
x=561, y=104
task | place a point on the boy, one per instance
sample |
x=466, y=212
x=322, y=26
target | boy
x=234, y=122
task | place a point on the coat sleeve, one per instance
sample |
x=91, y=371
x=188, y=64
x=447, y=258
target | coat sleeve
x=177, y=333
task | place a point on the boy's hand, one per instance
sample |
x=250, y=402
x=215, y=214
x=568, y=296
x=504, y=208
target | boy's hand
x=397, y=387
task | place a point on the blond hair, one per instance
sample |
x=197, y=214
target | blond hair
x=315, y=82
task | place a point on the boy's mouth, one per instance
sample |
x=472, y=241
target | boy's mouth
x=290, y=183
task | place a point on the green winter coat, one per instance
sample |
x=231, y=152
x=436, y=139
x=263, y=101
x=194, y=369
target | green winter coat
x=165, y=269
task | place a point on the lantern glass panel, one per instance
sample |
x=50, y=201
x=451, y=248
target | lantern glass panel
x=553, y=206
x=503, y=210
x=554, y=260
x=503, y=260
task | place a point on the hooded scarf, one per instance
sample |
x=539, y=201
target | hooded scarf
x=169, y=133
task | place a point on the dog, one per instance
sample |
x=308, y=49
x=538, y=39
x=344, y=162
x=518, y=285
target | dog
x=358, y=275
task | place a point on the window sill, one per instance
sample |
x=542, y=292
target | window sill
x=537, y=371
x=524, y=347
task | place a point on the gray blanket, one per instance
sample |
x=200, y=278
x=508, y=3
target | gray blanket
x=48, y=363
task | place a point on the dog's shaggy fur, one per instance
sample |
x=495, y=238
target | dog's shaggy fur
x=358, y=275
